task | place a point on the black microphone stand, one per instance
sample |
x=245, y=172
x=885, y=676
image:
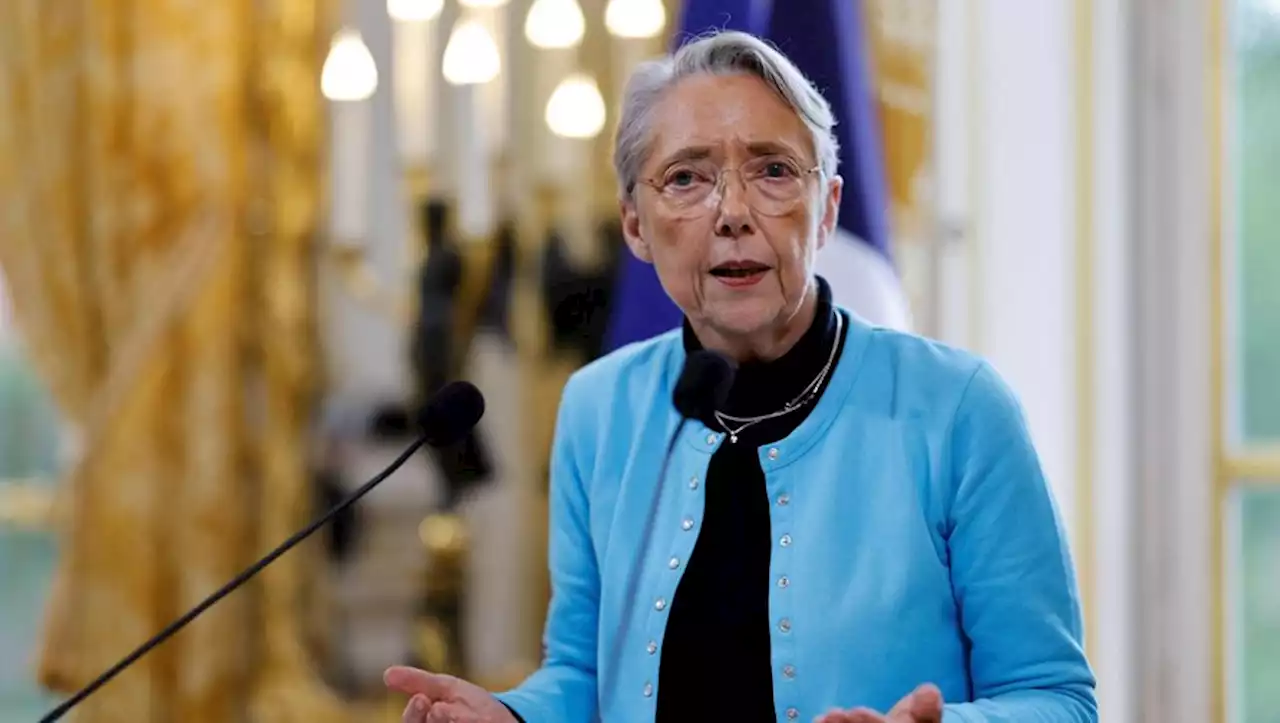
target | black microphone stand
x=236, y=582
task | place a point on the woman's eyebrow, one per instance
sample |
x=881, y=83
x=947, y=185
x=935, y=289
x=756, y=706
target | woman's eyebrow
x=770, y=148
x=688, y=153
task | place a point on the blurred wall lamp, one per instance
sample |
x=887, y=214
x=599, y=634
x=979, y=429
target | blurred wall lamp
x=576, y=108
x=410, y=11
x=471, y=57
x=635, y=18
x=554, y=24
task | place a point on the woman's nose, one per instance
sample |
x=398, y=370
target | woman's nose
x=734, y=212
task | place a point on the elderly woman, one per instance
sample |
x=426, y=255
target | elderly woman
x=862, y=532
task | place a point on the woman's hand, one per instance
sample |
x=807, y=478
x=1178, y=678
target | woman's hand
x=922, y=705
x=444, y=698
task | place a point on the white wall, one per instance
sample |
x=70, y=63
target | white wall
x=1006, y=166
x=1010, y=127
x=1026, y=214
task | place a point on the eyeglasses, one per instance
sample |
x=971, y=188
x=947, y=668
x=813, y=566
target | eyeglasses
x=774, y=185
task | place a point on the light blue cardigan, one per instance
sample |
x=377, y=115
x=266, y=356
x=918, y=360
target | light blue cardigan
x=916, y=541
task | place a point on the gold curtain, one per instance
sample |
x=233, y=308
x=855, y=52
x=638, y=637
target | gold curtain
x=158, y=170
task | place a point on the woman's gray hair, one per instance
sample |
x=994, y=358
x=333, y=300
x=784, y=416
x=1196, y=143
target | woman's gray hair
x=719, y=53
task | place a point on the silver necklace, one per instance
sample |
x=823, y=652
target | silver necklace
x=733, y=426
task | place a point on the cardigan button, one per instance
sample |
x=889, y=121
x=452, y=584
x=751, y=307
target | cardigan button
x=711, y=439
x=792, y=714
x=648, y=690
x=659, y=604
x=673, y=563
x=784, y=500
x=785, y=541
x=652, y=647
x=773, y=453
x=789, y=671
x=693, y=483
x=783, y=581
x=785, y=625
x=686, y=524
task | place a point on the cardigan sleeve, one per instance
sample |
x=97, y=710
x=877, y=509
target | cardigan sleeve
x=563, y=690
x=1011, y=570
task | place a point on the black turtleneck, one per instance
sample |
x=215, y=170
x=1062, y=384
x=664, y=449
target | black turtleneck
x=716, y=662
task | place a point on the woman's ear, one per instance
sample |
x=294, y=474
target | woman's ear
x=631, y=231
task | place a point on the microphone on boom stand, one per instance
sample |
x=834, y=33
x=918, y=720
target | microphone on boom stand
x=448, y=417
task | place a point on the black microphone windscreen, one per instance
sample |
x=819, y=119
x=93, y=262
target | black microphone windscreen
x=704, y=384
x=451, y=413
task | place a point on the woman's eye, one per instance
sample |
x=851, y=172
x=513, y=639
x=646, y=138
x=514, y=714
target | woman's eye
x=681, y=178
x=777, y=169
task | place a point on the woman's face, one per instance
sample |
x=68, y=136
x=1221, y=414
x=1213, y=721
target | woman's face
x=730, y=209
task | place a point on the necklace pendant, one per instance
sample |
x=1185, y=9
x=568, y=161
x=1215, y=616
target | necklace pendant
x=733, y=439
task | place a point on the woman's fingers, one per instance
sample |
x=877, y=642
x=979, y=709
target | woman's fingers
x=412, y=681
x=421, y=710
x=451, y=713
x=923, y=705
x=436, y=698
x=416, y=710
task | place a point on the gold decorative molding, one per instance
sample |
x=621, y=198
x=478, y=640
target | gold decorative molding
x=1256, y=467
x=1215, y=107
x=903, y=40
x=1085, y=315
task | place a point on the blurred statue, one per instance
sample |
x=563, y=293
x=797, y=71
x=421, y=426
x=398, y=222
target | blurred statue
x=438, y=353
x=577, y=299
x=497, y=304
x=439, y=280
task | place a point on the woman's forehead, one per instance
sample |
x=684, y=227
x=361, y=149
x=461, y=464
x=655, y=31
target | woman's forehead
x=709, y=115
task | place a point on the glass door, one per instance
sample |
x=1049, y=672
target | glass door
x=1248, y=325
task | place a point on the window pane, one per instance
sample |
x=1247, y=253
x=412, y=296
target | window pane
x=27, y=558
x=1256, y=166
x=28, y=459
x=1255, y=611
x=28, y=424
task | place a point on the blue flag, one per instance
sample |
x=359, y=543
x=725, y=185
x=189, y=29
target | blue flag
x=824, y=38
x=700, y=16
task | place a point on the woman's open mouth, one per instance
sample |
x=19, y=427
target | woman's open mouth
x=740, y=273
